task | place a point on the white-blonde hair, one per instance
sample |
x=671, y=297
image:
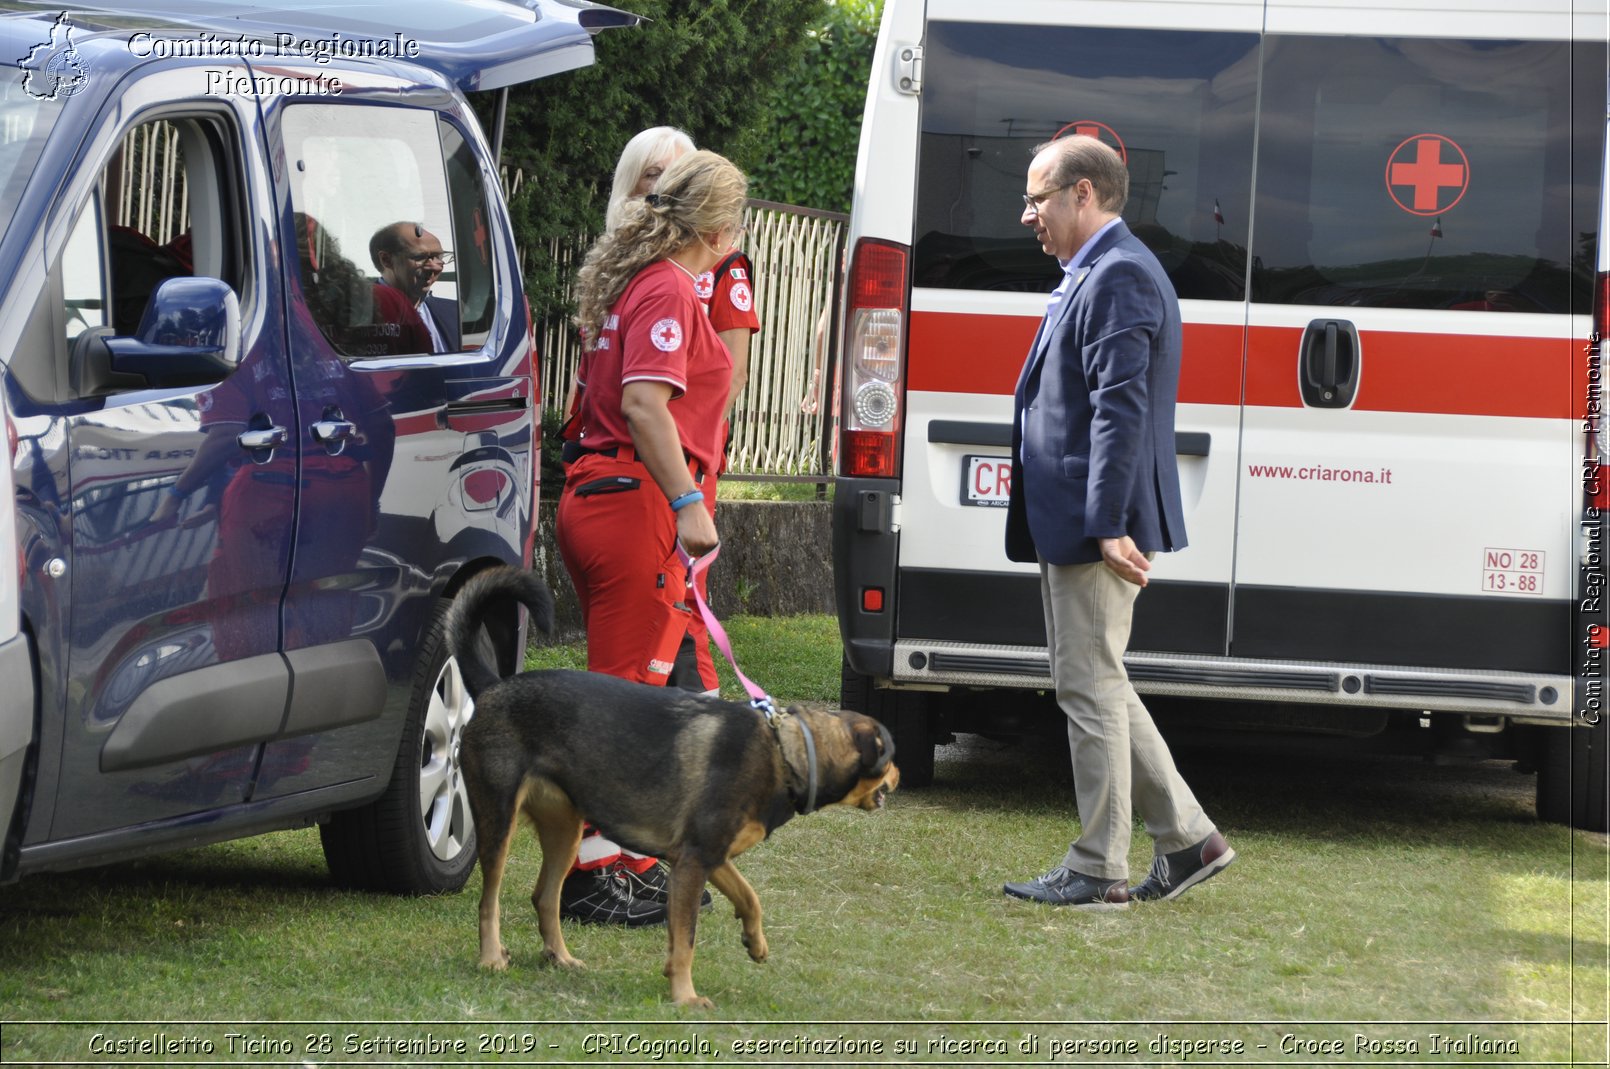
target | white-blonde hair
x=642, y=152
x=699, y=195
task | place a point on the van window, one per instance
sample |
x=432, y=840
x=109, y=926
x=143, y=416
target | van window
x=472, y=237
x=1410, y=173
x=357, y=172
x=171, y=211
x=1179, y=105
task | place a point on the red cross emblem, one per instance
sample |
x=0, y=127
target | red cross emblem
x=480, y=237
x=1432, y=170
x=666, y=335
x=1098, y=130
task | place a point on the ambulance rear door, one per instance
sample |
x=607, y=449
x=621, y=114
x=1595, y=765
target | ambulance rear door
x=1420, y=289
x=1175, y=93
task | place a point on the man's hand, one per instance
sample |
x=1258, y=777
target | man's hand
x=1127, y=562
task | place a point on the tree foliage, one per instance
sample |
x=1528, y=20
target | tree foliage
x=815, y=109
x=702, y=65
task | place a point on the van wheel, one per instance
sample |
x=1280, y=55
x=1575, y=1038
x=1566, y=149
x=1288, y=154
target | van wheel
x=908, y=716
x=418, y=838
x=1572, y=785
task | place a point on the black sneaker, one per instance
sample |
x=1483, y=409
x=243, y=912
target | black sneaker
x=1173, y=874
x=1064, y=887
x=602, y=896
x=652, y=884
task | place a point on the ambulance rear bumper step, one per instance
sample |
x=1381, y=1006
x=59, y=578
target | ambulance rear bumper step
x=1227, y=678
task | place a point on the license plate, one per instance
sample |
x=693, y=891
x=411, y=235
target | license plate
x=986, y=481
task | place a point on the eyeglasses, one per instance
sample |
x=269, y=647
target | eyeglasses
x=1032, y=201
x=443, y=258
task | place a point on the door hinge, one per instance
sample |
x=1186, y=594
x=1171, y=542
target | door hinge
x=908, y=69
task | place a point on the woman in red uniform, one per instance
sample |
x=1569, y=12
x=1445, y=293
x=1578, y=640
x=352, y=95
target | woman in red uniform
x=656, y=380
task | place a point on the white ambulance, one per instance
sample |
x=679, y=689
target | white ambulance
x=1382, y=223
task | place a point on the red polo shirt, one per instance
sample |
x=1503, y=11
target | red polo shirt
x=657, y=331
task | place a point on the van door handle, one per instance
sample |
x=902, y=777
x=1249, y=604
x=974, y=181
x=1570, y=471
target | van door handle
x=265, y=438
x=1328, y=363
x=330, y=432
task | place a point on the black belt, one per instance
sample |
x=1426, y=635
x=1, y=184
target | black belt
x=573, y=451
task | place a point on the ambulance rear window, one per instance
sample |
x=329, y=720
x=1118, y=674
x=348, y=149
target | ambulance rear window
x=1434, y=173
x=1177, y=104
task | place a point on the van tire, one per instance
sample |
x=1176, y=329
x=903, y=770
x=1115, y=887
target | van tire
x=1572, y=783
x=388, y=845
x=907, y=714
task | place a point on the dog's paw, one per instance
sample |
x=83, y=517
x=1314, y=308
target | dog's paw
x=695, y=1002
x=496, y=962
x=757, y=948
x=563, y=960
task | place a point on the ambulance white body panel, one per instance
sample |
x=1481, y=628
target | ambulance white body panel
x=1382, y=224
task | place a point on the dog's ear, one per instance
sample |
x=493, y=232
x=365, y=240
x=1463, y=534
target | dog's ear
x=875, y=743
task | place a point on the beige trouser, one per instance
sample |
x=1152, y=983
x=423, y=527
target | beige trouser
x=1120, y=762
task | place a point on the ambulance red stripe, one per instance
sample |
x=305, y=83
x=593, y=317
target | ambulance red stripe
x=1403, y=372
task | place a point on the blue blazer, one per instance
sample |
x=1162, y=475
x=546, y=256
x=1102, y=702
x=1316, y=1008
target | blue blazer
x=445, y=312
x=1093, y=414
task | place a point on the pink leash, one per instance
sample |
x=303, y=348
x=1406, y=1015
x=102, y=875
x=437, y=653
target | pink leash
x=758, y=698
x=695, y=565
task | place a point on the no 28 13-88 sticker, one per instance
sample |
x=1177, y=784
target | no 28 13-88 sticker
x=1512, y=571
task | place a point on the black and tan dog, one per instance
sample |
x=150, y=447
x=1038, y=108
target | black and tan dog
x=688, y=778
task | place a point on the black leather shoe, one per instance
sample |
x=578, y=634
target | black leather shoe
x=1064, y=887
x=1173, y=874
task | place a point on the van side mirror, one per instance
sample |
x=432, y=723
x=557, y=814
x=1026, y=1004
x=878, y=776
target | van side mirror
x=189, y=335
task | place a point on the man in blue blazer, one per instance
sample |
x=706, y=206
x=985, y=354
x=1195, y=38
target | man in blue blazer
x=1095, y=496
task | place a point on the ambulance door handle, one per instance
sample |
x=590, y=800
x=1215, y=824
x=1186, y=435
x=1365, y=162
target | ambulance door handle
x=1328, y=364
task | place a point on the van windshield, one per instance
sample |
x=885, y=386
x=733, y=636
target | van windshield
x=25, y=120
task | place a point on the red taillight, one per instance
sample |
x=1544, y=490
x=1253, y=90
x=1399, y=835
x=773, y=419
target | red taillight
x=1599, y=636
x=878, y=275
x=869, y=454
x=873, y=360
x=872, y=599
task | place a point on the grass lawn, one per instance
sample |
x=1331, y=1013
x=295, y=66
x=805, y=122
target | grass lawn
x=1378, y=901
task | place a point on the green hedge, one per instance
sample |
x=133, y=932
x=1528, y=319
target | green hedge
x=776, y=85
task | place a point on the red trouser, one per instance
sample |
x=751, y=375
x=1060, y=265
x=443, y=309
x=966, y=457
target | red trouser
x=617, y=538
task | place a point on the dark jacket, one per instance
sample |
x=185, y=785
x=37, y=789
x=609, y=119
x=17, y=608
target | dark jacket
x=1093, y=414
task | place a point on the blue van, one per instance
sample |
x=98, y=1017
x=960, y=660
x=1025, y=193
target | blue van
x=242, y=483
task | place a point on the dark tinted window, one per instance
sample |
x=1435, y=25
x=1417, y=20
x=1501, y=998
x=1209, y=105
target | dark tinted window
x=1428, y=173
x=472, y=236
x=1179, y=104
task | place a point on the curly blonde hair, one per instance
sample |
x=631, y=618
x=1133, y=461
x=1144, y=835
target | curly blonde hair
x=700, y=194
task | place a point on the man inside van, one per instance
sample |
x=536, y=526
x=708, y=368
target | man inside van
x=410, y=259
x=1095, y=498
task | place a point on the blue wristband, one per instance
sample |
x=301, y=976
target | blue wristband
x=680, y=503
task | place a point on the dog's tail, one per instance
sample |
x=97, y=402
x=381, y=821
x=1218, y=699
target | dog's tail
x=470, y=609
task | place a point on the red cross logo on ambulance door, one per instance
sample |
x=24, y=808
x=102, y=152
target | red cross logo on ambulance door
x=1098, y=130
x=1427, y=174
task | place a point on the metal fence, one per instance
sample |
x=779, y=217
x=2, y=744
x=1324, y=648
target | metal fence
x=796, y=253
x=147, y=186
